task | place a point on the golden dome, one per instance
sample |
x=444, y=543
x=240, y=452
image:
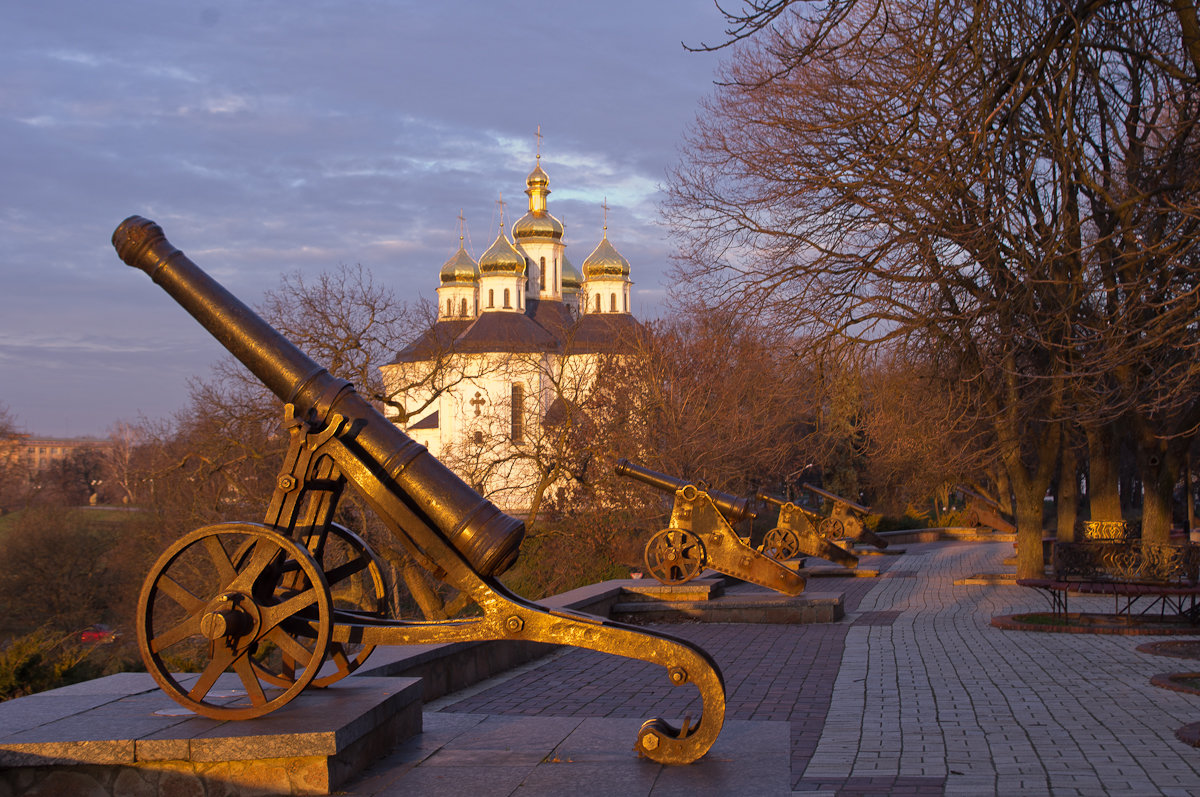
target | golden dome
x=537, y=225
x=460, y=268
x=572, y=280
x=605, y=261
x=502, y=258
x=538, y=177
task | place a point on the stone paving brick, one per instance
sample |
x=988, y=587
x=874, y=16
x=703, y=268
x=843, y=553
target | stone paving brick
x=913, y=693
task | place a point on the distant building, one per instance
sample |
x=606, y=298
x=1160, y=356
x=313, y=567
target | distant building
x=32, y=454
x=513, y=328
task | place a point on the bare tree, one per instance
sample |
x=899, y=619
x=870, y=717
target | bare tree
x=921, y=439
x=14, y=471
x=924, y=184
x=721, y=399
x=1069, y=128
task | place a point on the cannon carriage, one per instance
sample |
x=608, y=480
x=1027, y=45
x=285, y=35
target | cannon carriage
x=845, y=519
x=274, y=602
x=798, y=531
x=984, y=511
x=700, y=535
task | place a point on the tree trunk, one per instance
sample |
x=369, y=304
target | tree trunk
x=1189, y=494
x=1029, y=485
x=1189, y=26
x=1066, y=499
x=1158, y=486
x=546, y=479
x=1104, y=449
x=1159, y=463
x=1004, y=491
x=1031, y=561
x=1159, y=471
x=429, y=602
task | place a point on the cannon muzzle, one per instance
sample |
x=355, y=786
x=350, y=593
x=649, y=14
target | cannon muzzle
x=733, y=507
x=396, y=467
x=770, y=499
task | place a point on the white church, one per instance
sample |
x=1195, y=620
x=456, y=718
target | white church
x=517, y=339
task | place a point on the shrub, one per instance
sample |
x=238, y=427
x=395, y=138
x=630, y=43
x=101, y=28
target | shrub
x=44, y=659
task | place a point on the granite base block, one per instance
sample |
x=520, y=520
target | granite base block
x=122, y=736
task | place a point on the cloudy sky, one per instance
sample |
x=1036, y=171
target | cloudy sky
x=270, y=136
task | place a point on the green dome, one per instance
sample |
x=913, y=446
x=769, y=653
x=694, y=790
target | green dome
x=572, y=280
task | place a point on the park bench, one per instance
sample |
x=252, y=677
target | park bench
x=1108, y=561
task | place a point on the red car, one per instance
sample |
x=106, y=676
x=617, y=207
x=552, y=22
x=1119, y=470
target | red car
x=97, y=634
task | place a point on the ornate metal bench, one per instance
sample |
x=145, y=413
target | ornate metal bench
x=1129, y=570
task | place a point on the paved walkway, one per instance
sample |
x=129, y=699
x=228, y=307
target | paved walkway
x=913, y=693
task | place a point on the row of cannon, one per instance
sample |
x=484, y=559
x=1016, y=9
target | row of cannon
x=700, y=534
x=297, y=600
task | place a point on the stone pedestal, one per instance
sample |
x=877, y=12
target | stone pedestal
x=760, y=606
x=121, y=735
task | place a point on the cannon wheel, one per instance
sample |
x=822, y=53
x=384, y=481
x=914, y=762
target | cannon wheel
x=832, y=529
x=674, y=556
x=357, y=584
x=781, y=544
x=205, y=606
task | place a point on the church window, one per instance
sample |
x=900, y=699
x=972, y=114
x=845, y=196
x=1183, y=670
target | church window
x=491, y=297
x=597, y=302
x=625, y=301
x=518, y=413
x=463, y=306
x=448, y=310
x=479, y=438
x=612, y=303
x=476, y=305
x=542, y=274
x=507, y=300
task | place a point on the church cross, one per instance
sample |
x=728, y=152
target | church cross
x=538, y=135
x=478, y=402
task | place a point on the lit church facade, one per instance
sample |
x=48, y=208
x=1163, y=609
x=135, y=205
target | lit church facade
x=516, y=345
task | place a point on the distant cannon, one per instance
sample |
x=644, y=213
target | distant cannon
x=845, y=520
x=271, y=602
x=700, y=536
x=796, y=533
x=982, y=510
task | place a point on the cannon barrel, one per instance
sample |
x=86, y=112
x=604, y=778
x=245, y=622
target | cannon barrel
x=486, y=537
x=732, y=507
x=771, y=499
x=837, y=499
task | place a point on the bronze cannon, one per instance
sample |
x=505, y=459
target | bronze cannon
x=264, y=601
x=796, y=532
x=983, y=511
x=845, y=520
x=700, y=536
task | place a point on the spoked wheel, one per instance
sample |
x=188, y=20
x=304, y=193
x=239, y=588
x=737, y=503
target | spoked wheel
x=356, y=582
x=781, y=544
x=221, y=596
x=674, y=556
x=832, y=529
